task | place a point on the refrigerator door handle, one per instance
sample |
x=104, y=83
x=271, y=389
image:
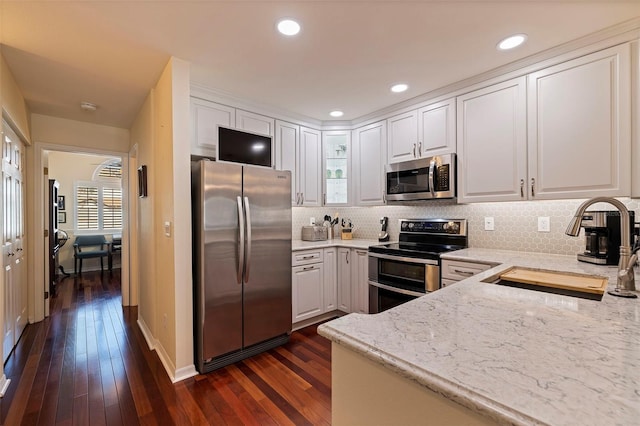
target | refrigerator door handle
x=247, y=267
x=240, y=241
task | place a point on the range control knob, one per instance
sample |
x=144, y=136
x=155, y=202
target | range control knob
x=404, y=225
x=452, y=227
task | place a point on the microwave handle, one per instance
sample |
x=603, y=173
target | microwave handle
x=432, y=169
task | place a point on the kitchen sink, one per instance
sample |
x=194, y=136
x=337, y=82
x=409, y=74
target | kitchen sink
x=556, y=282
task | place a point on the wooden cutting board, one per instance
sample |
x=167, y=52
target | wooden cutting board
x=565, y=280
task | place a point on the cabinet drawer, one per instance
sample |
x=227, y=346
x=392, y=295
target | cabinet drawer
x=305, y=257
x=457, y=271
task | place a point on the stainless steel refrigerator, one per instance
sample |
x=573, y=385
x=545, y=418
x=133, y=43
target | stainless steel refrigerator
x=242, y=261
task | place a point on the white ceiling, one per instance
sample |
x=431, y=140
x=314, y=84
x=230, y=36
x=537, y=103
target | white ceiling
x=346, y=57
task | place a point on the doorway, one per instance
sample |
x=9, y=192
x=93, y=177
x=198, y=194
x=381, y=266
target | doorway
x=92, y=199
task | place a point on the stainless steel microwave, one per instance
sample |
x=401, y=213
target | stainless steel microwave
x=422, y=179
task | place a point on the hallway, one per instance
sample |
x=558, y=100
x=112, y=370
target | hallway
x=88, y=363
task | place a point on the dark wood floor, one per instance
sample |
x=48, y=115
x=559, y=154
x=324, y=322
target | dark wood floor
x=88, y=363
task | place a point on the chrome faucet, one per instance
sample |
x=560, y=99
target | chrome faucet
x=625, y=285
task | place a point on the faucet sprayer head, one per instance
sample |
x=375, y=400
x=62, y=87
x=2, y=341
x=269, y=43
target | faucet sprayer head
x=574, y=226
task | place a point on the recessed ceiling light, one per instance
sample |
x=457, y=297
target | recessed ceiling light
x=336, y=113
x=288, y=27
x=512, y=41
x=398, y=88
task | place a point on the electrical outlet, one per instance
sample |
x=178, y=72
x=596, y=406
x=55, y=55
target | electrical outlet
x=544, y=224
x=489, y=224
x=312, y=221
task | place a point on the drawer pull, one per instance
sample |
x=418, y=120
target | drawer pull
x=457, y=271
x=309, y=268
x=308, y=257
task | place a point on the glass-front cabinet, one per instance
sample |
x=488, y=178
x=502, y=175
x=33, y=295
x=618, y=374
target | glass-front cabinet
x=337, y=166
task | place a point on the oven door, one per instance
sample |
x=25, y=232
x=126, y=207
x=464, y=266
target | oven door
x=395, y=279
x=383, y=297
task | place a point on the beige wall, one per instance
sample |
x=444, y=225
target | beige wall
x=13, y=104
x=166, y=305
x=142, y=137
x=85, y=136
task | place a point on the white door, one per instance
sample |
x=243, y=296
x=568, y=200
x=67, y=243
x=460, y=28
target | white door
x=579, y=128
x=344, y=279
x=254, y=123
x=13, y=239
x=330, y=293
x=359, y=281
x=403, y=137
x=310, y=161
x=205, y=118
x=370, y=144
x=287, y=136
x=307, y=285
x=492, y=136
x=437, y=128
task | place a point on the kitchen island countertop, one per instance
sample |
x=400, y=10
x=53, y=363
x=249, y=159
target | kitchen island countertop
x=516, y=356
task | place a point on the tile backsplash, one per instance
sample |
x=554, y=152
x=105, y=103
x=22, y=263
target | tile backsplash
x=516, y=223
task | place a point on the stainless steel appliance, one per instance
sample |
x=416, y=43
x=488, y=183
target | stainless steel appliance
x=423, y=179
x=602, y=236
x=410, y=268
x=242, y=261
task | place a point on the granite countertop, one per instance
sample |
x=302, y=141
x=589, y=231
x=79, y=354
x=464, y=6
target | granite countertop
x=297, y=245
x=517, y=356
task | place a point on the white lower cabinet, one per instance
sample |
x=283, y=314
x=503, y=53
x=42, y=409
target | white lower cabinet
x=455, y=270
x=330, y=287
x=307, y=285
x=314, y=283
x=344, y=279
x=328, y=280
x=360, y=281
x=353, y=280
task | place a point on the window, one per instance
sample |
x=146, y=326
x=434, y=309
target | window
x=99, y=202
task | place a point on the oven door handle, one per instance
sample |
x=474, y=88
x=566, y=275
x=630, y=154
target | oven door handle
x=396, y=289
x=405, y=259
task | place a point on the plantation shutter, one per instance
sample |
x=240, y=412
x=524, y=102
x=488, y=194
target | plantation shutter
x=112, y=208
x=87, y=207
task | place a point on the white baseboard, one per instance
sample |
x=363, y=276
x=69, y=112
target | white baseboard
x=175, y=375
x=315, y=320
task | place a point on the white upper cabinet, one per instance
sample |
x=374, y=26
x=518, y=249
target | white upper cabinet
x=437, y=128
x=254, y=123
x=206, y=117
x=287, y=136
x=492, y=143
x=337, y=167
x=564, y=132
x=403, y=137
x=310, y=185
x=579, y=127
x=369, y=147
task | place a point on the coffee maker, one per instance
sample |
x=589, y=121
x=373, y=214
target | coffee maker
x=602, y=236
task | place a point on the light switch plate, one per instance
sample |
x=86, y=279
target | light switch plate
x=312, y=221
x=489, y=224
x=544, y=224
x=167, y=229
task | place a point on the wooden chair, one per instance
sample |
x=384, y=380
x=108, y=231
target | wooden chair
x=90, y=246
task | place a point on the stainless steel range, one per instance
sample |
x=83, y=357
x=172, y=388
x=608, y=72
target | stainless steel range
x=399, y=272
